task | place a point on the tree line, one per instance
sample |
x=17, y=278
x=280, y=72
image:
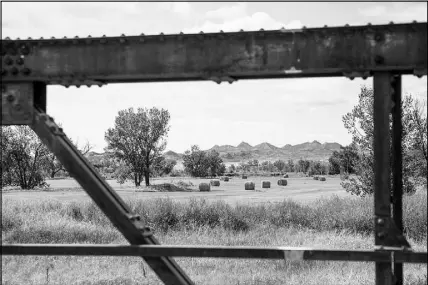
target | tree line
x=136, y=142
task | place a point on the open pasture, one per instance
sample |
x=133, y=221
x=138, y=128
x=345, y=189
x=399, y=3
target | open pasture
x=301, y=189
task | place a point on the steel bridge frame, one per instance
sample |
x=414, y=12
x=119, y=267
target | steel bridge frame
x=384, y=52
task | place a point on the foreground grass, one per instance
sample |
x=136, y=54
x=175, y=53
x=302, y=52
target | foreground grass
x=329, y=223
x=352, y=215
x=131, y=270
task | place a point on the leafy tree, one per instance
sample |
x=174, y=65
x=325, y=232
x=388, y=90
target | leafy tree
x=290, y=165
x=417, y=118
x=23, y=158
x=346, y=158
x=280, y=165
x=315, y=168
x=53, y=165
x=199, y=163
x=215, y=163
x=231, y=168
x=359, y=123
x=195, y=162
x=138, y=139
x=302, y=165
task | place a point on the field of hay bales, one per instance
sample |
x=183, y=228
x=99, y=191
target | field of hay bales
x=302, y=189
x=305, y=213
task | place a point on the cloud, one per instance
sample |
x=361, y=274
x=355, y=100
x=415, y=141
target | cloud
x=373, y=11
x=181, y=8
x=257, y=21
x=397, y=12
x=228, y=13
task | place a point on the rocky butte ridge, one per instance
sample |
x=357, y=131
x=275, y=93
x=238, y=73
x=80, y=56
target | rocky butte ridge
x=266, y=151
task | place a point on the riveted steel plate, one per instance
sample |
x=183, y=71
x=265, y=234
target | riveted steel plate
x=17, y=103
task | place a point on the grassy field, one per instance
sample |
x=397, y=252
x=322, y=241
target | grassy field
x=323, y=221
x=302, y=189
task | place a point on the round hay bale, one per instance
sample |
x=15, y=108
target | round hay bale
x=285, y=175
x=226, y=179
x=249, y=185
x=244, y=176
x=316, y=177
x=265, y=184
x=282, y=182
x=204, y=187
x=322, y=179
x=215, y=182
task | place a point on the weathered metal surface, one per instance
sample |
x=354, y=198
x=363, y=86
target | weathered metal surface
x=382, y=188
x=397, y=169
x=214, y=251
x=17, y=103
x=104, y=196
x=336, y=51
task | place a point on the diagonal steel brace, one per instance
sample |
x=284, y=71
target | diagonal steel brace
x=105, y=197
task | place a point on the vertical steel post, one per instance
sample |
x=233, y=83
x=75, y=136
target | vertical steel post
x=382, y=183
x=397, y=168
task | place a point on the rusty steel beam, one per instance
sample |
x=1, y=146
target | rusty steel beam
x=352, y=51
x=118, y=212
x=397, y=169
x=382, y=183
x=247, y=252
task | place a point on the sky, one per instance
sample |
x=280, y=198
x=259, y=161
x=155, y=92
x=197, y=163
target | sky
x=280, y=111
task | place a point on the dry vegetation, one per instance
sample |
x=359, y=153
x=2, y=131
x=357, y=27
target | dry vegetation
x=332, y=223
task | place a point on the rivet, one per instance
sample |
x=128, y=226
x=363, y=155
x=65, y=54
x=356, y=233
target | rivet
x=369, y=24
x=52, y=38
x=8, y=61
x=201, y=32
x=25, y=50
x=14, y=71
x=26, y=71
x=325, y=26
x=7, y=38
x=10, y=98
x=261, y=29
x=391, y=23
x=346, y=25
x=379, y=59
x=380, y=221
x=415, y=22
x=241, y=30
x=221, y=31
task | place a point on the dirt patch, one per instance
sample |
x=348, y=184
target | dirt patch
x=176, y=186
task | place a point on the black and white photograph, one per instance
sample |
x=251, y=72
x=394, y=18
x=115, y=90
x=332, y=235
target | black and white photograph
x=218, y=143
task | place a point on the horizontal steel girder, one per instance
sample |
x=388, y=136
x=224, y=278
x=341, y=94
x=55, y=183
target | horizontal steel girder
x=287, y=253
x=355, y=51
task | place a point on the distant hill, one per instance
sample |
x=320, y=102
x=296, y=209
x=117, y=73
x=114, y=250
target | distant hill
x=264, y=151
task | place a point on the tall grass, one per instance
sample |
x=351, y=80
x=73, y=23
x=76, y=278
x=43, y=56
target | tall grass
x=54, y=221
